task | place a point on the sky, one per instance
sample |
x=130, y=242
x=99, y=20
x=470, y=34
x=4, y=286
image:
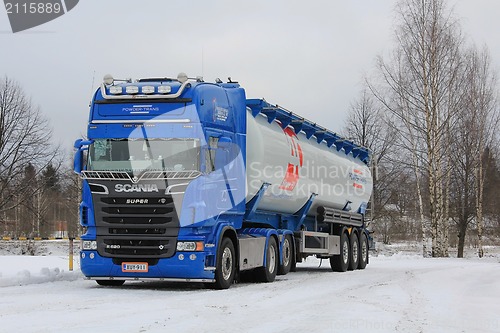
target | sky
x=307, y=56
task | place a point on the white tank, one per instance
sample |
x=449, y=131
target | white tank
x=296, y=167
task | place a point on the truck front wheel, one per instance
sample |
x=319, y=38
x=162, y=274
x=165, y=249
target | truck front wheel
x=226, y=265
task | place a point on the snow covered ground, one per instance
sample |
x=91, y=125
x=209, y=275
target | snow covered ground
x=398, y=292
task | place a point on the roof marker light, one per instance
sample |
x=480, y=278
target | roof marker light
x=108, y=79
x=132, y=90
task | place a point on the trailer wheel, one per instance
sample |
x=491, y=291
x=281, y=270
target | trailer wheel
x=226, y=265
x=287, y=256
x=269, y=271
x=339, y=263
x=354, y=255
x=110, y=283
x=363, y=255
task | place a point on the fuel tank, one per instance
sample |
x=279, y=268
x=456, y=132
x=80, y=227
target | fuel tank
x=297, y=167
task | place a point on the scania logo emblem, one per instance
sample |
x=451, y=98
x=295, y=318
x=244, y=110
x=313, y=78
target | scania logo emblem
x=135, y=179
x=161, y=247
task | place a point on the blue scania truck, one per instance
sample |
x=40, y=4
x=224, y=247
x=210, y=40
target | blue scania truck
x=185, y=180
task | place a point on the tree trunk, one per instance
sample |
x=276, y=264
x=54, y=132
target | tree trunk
x=461, y=238
x=479, y=214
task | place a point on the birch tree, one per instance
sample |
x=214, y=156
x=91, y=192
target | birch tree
x=418, y=87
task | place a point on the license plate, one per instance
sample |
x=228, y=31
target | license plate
x=135, y=267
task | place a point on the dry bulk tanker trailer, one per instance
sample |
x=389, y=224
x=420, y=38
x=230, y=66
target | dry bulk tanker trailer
x=184, y=180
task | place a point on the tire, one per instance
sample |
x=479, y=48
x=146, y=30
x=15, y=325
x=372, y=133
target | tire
x=339, y=263
x=354, y=252
x=226, y=265
x=287, y=256
x=363, y=251
x=269, y=271
x=110, y=283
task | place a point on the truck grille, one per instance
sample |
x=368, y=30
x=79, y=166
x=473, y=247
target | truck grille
x=119, y=247
x=138, y=227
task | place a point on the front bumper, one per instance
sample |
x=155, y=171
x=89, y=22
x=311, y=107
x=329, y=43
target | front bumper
x=183, y=266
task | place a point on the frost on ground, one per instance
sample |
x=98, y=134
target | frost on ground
x=398, y=292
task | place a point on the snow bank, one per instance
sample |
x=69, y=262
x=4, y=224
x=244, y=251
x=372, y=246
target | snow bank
x=25, y=270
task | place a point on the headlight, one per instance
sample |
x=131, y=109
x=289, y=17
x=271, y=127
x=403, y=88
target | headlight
x=89, y=245
x=148, y=90
x=132, y=90
x=190, y=246
x=115, y=90
x=164, y=89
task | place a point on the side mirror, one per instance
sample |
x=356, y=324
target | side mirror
x=81, y=143
x=80, y=146
x=78, y=161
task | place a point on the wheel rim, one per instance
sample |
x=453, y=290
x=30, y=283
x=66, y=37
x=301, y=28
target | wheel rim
x=345, y=252
x=354, y=251
x=364, y=251
x=272, y=258
x=227, y=263
x=286, y=252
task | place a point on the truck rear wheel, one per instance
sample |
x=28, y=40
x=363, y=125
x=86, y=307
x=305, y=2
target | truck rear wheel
x=363, y=251
x=354, y=255
x=110, y=283
x=339, y=263
x=287, y=256
x=226, y=265
x=270, y=269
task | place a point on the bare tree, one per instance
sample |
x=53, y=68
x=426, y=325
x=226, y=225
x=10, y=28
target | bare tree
x=482, y=104
x=24, y=140
x=418, y=87
x=475, y=126
x=366, y=126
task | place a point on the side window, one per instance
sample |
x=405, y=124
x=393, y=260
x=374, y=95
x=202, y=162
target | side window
x=210, y=154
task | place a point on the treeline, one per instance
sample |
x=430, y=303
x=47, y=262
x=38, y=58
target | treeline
x=38, y=195
x=430, y=115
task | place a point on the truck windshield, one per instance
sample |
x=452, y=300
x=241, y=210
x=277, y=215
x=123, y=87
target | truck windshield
x=138, y=155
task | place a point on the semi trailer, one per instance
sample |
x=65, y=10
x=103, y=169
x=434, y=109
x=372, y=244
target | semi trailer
x=186, y=180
